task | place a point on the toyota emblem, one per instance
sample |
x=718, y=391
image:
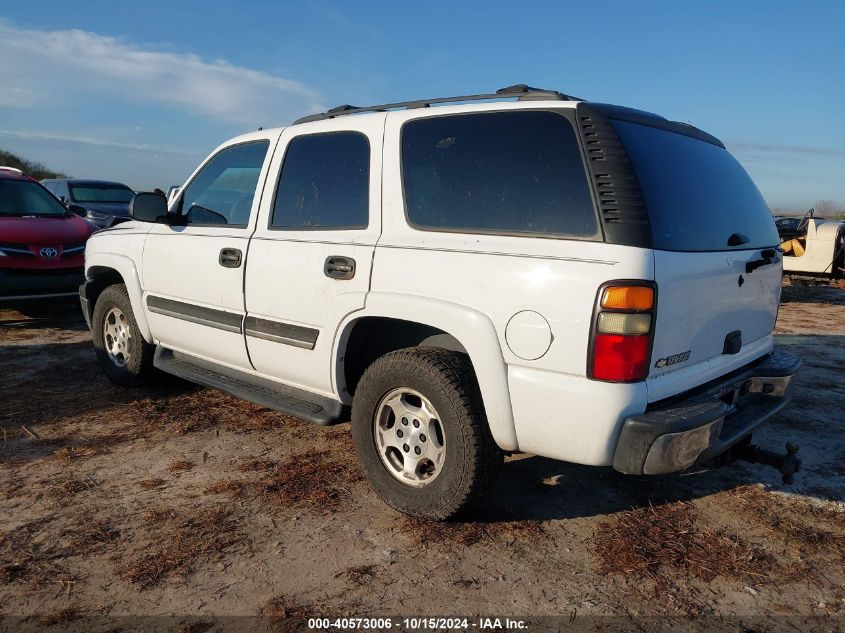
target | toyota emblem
x=49, y=252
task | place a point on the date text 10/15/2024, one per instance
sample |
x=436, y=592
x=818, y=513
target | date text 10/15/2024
x=417, y=624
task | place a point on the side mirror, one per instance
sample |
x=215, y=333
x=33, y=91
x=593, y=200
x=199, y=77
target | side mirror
x=75, y=208
x=148, y=207
x=63, y=199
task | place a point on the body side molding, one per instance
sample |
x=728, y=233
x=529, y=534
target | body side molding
x=278, y=332
x=228, y=321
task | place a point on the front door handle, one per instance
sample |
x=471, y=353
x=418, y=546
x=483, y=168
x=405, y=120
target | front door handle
x=230, y=258
x=339, y=267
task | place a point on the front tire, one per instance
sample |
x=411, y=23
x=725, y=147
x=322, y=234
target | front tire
x=123, y=354
x=421, y=434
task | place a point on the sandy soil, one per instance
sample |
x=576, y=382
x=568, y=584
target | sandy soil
x=184, y=502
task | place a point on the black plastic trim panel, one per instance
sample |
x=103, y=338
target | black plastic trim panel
x=621, y=113
x=620, y=201
x=277, y=332
x=229, y=321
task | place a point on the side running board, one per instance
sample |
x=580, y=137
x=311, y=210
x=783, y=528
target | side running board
x=272, y=395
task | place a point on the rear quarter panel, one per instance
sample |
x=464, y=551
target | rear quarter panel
x=557, y=411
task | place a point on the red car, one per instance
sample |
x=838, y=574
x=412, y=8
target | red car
x=42, y=244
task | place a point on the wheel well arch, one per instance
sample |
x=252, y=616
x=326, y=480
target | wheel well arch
x=97, y=279
x=106, y=269
x=371, y=337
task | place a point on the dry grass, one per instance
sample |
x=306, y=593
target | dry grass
x=14, y=484
x=660, y=543
x=178, y=543
x=87, y=536
x=65, y=615
x=194, y=410
x=71, y=453
x=65, y=488
x=152, y=483
x=156, y=515
x=256, y=465
x=180, y=466
x=197, y=626
x=467, y=533
x=318, y=480
x=360, y=575
x=285, y=608
x=811, y=530
x=33, y=553
x=231, y=487
x=28, y=555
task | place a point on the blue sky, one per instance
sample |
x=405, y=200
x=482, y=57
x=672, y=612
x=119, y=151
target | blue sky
x=142, y=91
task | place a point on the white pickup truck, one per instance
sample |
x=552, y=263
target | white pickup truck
x=518, y=271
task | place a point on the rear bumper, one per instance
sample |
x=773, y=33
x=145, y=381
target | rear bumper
x=19, y=283
x=699, y=426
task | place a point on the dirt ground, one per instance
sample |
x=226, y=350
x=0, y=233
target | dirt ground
x=186, y=503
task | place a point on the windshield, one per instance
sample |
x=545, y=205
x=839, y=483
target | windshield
x=101, y=193
x=24, y=197
x=698, y=196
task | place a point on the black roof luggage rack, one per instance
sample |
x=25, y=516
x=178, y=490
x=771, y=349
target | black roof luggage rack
x=521, y=92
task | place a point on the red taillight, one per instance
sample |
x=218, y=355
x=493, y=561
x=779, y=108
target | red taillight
x=620, y=358
x=623, y=326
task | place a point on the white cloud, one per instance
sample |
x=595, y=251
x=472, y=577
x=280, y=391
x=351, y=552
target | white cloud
x=90, y=140
x=784, y=149
x=47, y=68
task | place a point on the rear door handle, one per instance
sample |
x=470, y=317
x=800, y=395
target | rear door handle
x=230, y=258
x=339, y=267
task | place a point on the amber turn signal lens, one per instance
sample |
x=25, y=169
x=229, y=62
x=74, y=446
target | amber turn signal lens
x=628, y=298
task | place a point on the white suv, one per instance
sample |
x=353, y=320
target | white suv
x=519, y=271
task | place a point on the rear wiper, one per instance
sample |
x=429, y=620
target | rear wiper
x=769, y=257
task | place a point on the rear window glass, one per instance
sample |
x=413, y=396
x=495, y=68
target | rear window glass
x=501, y=172
x=697, y=194
x=101, y=193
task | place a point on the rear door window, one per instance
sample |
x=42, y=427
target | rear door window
x=515, y=173
x=696, y=193
x=324, y=183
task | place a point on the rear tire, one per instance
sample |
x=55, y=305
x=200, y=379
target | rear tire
x=424, y=401
x=123, y=354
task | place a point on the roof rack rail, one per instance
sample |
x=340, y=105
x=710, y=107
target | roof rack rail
x=521, y=92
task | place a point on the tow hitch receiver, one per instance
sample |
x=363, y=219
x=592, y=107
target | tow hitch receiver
x=787, y=464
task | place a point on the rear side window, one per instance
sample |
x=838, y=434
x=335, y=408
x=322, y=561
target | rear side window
x=325, y=183
x=497, y=172
x=696, y=193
